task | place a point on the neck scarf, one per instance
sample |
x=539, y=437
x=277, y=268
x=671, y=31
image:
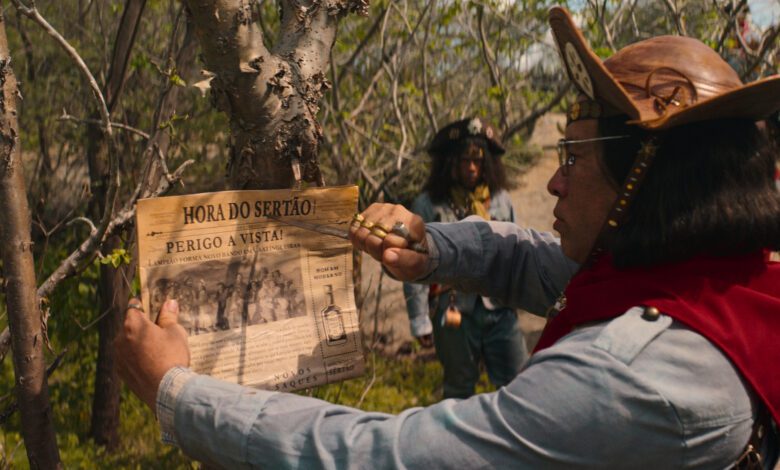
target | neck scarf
x=475, y=202
x=734, y=302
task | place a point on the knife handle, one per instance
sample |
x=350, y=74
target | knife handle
x=418, y=247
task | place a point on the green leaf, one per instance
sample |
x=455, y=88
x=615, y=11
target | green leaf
x=176, y=80
x=495, y=92
x=117, y=257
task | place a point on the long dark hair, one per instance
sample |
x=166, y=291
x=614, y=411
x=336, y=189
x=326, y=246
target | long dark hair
x=440, y=180
x=710, y=190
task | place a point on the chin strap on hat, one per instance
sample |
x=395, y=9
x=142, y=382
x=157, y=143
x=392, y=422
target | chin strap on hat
x=618, y=212
x=626, y=195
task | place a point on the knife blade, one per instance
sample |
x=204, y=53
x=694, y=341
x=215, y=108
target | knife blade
x=340, y=233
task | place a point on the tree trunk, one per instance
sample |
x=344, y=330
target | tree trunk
x=24, y=314
x=114, y=284
x=114, y=290
x=271, y=96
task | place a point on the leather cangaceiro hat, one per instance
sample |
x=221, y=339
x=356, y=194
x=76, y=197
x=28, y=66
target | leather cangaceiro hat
x=459, y=130
x=661, y=82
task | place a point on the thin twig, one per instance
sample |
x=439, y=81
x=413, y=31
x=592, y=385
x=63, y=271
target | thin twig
x=67, y=117
x=495, y=74
x=394, y=53
x=393, y=75
x=113, y=164
x=426, y=91
x=69, y=266
x=601, y=14
x=766, y=47
x=92, y=229
x=538, y=112
x=11, y=409
x=742, y=44
x=730, y=24
x=346, y=66
x=677, y=15
x=33, y=14
x=373, y=343
x=90, y=245
x=375, y=141
x=619, y=13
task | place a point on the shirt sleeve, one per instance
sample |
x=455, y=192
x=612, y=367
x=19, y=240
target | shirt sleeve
x=558, y=413
x=519, y=267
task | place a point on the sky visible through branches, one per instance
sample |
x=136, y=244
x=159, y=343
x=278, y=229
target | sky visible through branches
x=763, y=12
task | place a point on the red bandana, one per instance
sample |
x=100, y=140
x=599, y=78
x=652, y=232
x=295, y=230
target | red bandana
x=733, y=302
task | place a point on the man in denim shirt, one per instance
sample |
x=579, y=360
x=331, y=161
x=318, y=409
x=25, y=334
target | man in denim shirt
x=467, y=178
x=663, y=351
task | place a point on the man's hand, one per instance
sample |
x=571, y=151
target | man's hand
x=146, y=351
x=374, y=236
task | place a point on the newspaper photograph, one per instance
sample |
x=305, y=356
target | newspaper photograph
x=266, y=303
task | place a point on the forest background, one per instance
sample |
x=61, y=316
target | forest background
x=126, y=99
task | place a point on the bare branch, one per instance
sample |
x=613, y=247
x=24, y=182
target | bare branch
x=730, y=25
x=5, y=343
x=67, y=117
x=622, y=6
x=90, y=245
x=335, y=79
x=373, y=140
x=92, y=229
x=495, y=74
x=373, y=341
x=537, y=113
x=600, y=14
x=767, y=45
x=426, y=91
x=393, y=75
x=742, y=44
x=387, y=58
x=369, y=178
x=33, y=14
x=70, y=266
x=366, y=95
x=13, y=406
x=346, y=66
x=677, y=16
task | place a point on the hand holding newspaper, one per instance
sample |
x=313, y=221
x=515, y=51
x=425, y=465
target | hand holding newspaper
x=265, y=303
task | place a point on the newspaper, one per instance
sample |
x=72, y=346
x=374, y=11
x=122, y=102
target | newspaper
x=265, y=304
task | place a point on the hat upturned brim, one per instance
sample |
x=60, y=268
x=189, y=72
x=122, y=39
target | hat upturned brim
x=465, y=128
x=718, y=93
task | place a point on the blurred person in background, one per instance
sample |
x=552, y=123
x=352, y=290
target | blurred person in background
x=467, y=178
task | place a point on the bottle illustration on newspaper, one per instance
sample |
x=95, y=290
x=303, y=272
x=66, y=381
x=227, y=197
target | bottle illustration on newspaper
x=266, y=302
x=333, y=321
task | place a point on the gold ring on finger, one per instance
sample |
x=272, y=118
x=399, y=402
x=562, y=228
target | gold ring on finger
x=367, y=224
x=358, y=217
x=383, y=227
x=355, y=223
x=378, y=232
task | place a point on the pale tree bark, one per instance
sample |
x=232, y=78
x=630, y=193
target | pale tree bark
x=24, y=313
x=272, y=95
x=156, y=180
